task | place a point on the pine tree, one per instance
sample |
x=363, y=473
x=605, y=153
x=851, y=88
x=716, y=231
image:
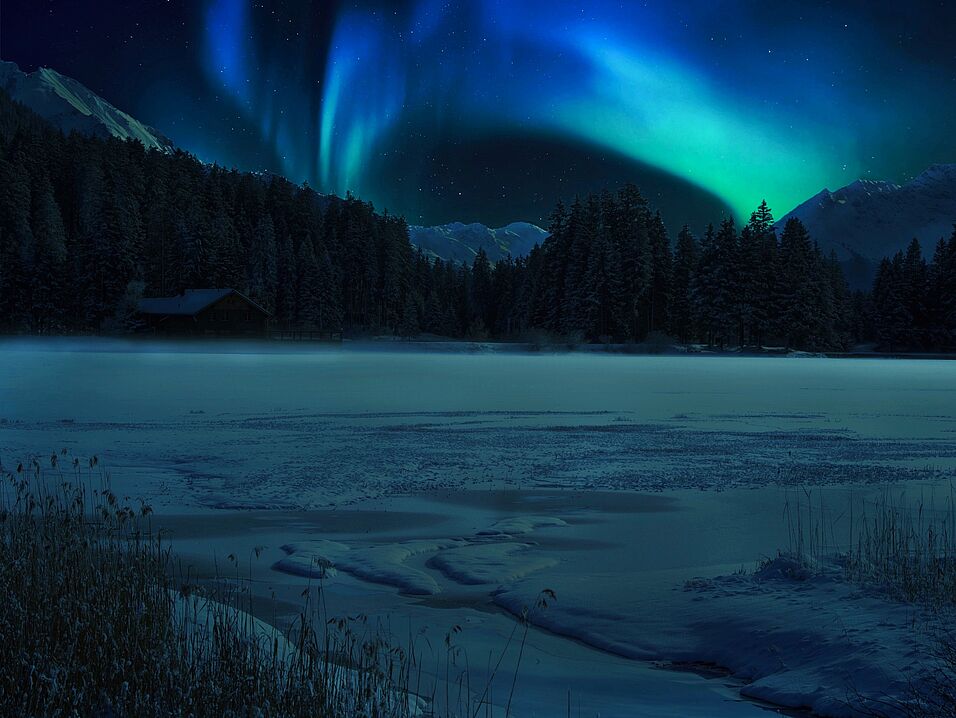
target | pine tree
x=410, y=325
x=758, y=260
x=16, y=247
x=482, y=297
x=262, y=270
x=659, y=295
x=308, y=309
x=843, y=329
x=890, y=306
x=434, y=316
x=286, y=282
x=724, y=291
x=941, y=295
x=915, y=290
x=49, y=262
x=629, y=232
x=330, y=295
x=603, y=310
x=795, y=290
x=685, y=268
x=703, y=287
x=823, y=312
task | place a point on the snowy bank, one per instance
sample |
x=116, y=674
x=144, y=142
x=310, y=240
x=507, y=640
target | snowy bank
x=797, y=639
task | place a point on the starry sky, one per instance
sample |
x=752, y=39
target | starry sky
x=490, y=110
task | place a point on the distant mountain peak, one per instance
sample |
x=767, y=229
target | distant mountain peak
x=868, y=186
x=935, y=174
x=71, y=106
x=871, y=219
x=459, y=242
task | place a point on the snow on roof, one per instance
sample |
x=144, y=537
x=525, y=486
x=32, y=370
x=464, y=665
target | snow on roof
x=189, y=303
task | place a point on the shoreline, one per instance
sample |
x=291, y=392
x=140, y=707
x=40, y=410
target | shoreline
x=227, y=345
x=663, y=625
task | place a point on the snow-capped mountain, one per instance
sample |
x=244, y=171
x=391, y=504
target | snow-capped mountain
x=867, y=220
x=70, y=106
x=460, y=242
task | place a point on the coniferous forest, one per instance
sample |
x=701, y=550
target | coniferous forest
x=90, y=225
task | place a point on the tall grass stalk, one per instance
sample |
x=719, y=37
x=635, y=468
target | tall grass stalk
x=905, y=547
x=96, y=620
x=909, y=549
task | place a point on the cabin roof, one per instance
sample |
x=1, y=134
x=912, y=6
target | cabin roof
x=190, y=303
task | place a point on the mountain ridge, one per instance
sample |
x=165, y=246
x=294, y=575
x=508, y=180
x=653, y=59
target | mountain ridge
x=862, y=222
x=71, y=106
x=867, y=220
x=460, y=242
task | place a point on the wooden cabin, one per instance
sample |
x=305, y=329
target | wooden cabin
x=205, y=312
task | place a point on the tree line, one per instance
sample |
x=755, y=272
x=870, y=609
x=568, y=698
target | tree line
x=914, y=301
x=89, y=225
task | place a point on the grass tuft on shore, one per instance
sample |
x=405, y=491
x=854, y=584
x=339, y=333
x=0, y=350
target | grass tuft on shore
x=94, y=621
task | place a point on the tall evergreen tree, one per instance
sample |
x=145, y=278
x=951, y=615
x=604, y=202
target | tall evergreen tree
x=16, y=247
x=758, y=275
x=889, y=304
x=795, y=290
x=682, y=313
x=659, y=290
x=724, y=314
x=263, y=267
x=630, y=233
x=941, y=300
x=49, y=261
x=915, y=289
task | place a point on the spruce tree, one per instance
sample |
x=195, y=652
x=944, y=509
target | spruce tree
x=630, y=233
x=659, y=294
x=482, y=297
x=704, y=287
x=262, y=270
x=328, y=294
x=758, y=275
x=410, y=325
x=725, y=277
x=893, y=320
x=17, y=247
x=796, y=295
x=941, y=295
x=49, y=262
x=915, y=290
x=285, y=283
x=682, y=303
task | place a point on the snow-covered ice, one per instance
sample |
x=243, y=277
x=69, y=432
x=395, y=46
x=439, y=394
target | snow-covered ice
x=386, y=563
x=491, y=563
x=434, y=489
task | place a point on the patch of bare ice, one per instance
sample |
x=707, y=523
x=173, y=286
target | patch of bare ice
x=520, y=525
x=490, y=563
x=385, y=564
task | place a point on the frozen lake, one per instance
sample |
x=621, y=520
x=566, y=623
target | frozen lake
x=307, y=429
x=448, y=488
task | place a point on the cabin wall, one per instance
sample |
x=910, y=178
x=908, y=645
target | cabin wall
x=230, y=316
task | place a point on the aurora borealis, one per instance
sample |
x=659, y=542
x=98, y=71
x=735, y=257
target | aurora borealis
x=490, y=110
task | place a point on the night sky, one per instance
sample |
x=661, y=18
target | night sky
x=490, y=110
